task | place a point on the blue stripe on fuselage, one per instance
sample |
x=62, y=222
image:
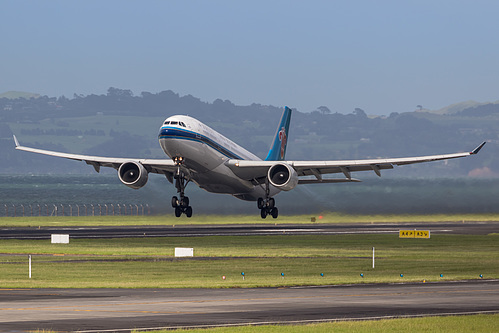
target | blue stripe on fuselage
x=177, y=133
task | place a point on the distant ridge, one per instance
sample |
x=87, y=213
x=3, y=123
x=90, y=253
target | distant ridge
x=18, y=94
x=458, y=107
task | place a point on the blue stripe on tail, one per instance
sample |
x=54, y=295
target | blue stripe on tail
x=278, y=150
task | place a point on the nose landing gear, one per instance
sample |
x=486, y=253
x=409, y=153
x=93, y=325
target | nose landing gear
x=181, y=205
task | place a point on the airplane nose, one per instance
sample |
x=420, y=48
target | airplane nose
x=170, y=147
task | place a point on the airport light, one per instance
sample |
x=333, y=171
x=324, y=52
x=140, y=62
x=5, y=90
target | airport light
x=362, y=275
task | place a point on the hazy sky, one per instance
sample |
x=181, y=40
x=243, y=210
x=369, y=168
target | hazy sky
x=381, y=56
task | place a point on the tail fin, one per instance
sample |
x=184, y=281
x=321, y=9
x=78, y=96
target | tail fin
x=278, y=149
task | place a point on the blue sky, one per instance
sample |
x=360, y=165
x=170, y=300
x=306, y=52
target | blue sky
x=381, y=56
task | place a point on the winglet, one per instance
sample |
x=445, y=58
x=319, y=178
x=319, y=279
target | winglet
x=477, y=149
x=278, y=148
x=16, y=142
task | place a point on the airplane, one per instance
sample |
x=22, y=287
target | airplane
x=216, y=164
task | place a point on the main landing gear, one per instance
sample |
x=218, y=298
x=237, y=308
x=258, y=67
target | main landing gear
x=267, y=207
x=267, y=204
x=181, y=205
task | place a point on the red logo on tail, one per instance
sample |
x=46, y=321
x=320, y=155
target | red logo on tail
x=283, y=139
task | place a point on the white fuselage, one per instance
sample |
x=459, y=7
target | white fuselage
x=204, y=152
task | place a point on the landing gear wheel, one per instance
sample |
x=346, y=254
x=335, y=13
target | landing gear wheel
x=174, y=202
x=178, y=211
x=271, y=203
x=267, y=207
x=184, y=202
x=188, y=211
x=260, y=203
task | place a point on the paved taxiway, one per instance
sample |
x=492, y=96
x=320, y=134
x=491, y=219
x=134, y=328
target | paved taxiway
x=118, y=309
x=474, y=228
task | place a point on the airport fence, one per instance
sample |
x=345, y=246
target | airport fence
x=24, y=210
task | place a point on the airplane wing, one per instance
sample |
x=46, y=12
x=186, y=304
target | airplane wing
x=160, y=166
x=257, y=170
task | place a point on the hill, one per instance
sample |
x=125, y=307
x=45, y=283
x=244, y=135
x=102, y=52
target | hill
x=18, y=94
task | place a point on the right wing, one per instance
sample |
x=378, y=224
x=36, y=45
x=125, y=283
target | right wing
x=161, y=166
x=257, y=170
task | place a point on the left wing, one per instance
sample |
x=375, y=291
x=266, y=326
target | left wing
x=161, y=166
x=257, y=170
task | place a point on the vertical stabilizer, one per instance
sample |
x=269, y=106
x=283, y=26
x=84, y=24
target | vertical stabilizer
x=278, y=150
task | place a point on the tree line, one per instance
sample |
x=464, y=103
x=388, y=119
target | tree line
x=318, y=134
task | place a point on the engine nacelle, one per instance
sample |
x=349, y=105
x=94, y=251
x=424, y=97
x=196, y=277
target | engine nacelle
x=283, y=176
x=133, y=174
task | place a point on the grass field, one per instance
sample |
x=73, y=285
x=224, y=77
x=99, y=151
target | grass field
x=473, y=323
x=476, y=323
x=149, y=262
x=236, y=219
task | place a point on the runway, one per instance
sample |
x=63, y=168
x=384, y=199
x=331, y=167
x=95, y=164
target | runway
x=468, y=228
x=92, y=310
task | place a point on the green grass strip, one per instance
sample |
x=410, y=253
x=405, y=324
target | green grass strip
x=29, y=221
x=474, y=323
x=149, y=262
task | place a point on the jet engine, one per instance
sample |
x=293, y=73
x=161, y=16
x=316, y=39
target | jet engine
x=283, y=176
x=133, y=174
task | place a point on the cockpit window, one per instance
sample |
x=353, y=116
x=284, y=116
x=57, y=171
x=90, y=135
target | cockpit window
x=179, y=123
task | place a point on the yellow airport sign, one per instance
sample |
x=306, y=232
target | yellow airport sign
x=414, y=233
